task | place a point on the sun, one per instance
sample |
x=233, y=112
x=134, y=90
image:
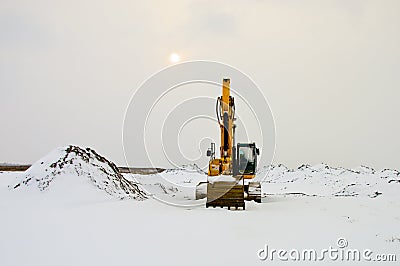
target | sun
x=174, y=58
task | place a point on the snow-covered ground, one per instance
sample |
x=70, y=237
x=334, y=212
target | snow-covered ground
x=78, y=217
x=323, y=180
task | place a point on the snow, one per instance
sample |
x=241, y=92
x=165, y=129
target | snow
x=323, y=180
x=173, y=186
x=65, y=218
x=221, y=178
x=72, y=164
x=9, y=164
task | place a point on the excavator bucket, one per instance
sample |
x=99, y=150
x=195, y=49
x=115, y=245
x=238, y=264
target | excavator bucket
x=225, y=194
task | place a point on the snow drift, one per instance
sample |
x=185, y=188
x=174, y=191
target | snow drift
x=73, y=162
x=323, y=180
x=320, y=180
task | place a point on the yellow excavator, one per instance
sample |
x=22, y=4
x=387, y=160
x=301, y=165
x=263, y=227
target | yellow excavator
x=230, y=177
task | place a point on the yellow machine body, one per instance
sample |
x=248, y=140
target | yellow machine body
x=226, y=108
x=237, y=160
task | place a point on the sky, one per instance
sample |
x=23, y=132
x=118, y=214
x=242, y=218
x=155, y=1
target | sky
x=329, y=70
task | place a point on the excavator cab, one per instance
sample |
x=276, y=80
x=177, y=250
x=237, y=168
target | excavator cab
x=245, y=163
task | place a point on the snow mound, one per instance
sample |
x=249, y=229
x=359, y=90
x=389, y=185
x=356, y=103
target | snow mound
x=194, y=168
x=323, y=180
x=71, y=162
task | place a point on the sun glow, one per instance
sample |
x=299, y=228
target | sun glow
x=174, y=58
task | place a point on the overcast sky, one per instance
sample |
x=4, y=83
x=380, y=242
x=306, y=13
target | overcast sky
x=329, y=69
